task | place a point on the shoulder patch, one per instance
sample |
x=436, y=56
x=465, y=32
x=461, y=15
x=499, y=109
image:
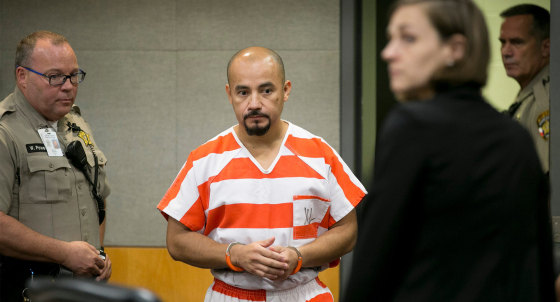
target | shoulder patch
x=543, y=122
x=76, y=110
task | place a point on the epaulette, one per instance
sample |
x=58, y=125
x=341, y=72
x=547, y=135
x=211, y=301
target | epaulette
x=76, y=109
x=5, y=108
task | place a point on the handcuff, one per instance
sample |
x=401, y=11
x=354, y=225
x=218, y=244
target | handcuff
x=239, y=269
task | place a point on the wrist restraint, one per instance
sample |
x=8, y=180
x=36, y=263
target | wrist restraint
x=239, y=269
x=299, y=260
x=228, y=259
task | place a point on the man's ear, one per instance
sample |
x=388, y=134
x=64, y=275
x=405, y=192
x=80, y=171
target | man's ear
x=228, y=94
x=287, y=89
x=21, y=77
x=545, y=48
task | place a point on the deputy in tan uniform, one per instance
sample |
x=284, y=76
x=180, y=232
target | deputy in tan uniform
x=525, y=38
x=52, y=208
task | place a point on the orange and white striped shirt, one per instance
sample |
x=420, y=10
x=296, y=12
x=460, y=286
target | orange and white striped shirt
x=224, y=193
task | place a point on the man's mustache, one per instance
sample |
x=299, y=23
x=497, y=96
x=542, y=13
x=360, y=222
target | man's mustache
x=254, y=113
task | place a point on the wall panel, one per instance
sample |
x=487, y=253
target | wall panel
x=235, y=24
x=93, y=24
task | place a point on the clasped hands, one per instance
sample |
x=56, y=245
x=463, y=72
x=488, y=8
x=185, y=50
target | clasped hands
x=262, y=259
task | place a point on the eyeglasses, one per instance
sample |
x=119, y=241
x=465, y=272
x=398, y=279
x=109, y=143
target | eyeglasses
x=60, y=79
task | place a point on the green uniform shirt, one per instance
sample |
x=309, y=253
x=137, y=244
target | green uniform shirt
x=47, y=193
x=534, y=114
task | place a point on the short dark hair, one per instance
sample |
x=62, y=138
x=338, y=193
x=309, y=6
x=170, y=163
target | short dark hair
x=26, y=46
x=463, y=17
x=541, y=18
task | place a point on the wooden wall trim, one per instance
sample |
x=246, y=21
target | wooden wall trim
x=155, y=270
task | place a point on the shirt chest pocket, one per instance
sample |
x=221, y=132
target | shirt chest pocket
x=49, y=180
x=308, y=214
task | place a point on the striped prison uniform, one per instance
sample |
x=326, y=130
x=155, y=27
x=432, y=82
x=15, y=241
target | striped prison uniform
x=223, y=192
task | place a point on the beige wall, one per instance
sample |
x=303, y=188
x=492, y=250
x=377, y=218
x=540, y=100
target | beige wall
x=501, y=90
x=155, y=81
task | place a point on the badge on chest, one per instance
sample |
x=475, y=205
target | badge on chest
x=50, y=140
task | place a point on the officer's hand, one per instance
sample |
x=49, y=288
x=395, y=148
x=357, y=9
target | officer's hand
x=83, y=259
x=258, y=260
x=107, y=270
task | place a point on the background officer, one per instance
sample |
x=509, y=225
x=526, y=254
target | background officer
x=525, y=38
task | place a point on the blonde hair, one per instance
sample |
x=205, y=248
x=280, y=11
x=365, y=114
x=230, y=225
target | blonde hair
x=26, y=46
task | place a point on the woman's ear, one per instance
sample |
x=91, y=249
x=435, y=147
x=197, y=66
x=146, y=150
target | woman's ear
x=457, y=44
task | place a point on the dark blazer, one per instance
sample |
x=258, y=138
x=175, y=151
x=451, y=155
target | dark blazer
x=458, y=209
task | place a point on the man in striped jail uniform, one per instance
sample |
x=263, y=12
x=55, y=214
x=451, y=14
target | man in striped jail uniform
x=265, y=204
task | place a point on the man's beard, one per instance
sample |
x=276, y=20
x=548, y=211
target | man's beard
x=257, y=129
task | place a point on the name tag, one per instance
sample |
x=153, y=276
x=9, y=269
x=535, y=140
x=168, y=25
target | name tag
x=50, y=140
x=32, y=148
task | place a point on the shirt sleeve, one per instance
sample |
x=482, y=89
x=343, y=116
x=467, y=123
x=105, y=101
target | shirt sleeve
x=183, y=200
x=346, y=191
x=8, y=170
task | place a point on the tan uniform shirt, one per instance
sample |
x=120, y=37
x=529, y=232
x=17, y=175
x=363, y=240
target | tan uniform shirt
x=47, y=193
x=534, y=113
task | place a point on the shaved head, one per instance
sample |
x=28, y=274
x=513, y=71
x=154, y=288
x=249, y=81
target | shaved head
x=257, y=53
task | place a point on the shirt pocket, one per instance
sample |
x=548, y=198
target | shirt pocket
x=308, y=213
x=49, y=181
